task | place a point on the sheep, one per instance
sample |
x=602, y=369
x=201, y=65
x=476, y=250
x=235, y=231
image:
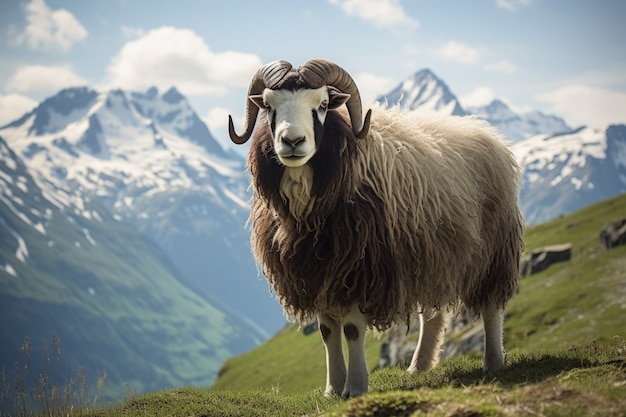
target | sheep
x=367, y=223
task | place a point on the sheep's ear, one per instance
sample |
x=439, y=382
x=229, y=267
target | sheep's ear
x=336, y=98
x=258, y=100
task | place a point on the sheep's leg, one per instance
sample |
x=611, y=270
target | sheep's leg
x=494, y=351
x=354, y=327
x=432, y=330
x=335, y=363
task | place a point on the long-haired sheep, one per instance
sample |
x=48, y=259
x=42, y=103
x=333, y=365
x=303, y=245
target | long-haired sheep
x=368, y=223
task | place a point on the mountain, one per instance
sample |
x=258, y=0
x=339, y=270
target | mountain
x=148, y=159
x=423, y=90
x=99, y=295
x=516, y=127
x=564, y=169
x=566, y=172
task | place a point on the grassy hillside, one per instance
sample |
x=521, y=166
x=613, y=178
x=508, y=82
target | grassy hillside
x=576, y=301
x=569, y=303
x=564, y=334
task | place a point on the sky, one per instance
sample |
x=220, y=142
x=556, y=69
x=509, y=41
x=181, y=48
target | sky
x=562, y=57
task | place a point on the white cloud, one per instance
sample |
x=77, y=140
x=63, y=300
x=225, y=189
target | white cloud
x=169, y=56
x=460, y=53
x=49, y=29
x=14, y=106
x=40, y=78
x=132, y=32
x=513, y=5
x=584, y=105
x=383, y=14
x=502, y=66
x=371, y=86
x=479, y=96
x=217, y=119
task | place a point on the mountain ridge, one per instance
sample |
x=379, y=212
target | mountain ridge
x=567, y=171
x=544, y=195
x=423, y=90
x=150, y=160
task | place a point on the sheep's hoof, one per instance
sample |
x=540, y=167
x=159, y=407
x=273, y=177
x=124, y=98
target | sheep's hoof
x=352, y=392
x=331, y=392
x=494, y=364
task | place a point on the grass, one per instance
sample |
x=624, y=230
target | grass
x=56, y=389
x=576, y=301
x=279, y=363
x=583, y=380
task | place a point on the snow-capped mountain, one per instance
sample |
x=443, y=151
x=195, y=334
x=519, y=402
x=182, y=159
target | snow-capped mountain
x=564, y=169
x=110, y=295
x=516, y=126
x=566, y=172
x=150, y=160
x=423, y=90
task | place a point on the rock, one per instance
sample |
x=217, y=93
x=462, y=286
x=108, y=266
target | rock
x=310, y=328
x=613, y=234
x=542, y=258
x=463, y=334
x=398, y=347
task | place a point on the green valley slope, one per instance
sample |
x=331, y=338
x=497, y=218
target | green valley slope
x=79, y=288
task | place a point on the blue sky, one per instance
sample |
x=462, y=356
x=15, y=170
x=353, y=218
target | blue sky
x=565, y=57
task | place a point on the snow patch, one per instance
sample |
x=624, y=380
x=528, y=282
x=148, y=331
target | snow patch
x=88, y=237
x=619, y=156
x=8, y=268
x=569, y=151
x=235, y=198
x=21, y=252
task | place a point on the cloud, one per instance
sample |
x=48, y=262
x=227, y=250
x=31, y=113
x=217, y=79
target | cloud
x=14, y=106
x=371, y=86
x=383, y=14
x=460, y=53
x=479, y=96
x=130, y=32
x=49, y=29
x=217, y=119
x=513, y=5
x=584, y=105
x=503, y=66
x=169, y=56
x=40, y=78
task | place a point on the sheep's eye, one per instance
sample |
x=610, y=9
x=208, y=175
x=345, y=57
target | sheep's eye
x=267, y=106
x=324, y=105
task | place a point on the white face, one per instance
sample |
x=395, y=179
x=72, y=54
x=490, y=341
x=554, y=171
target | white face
x=292, y=115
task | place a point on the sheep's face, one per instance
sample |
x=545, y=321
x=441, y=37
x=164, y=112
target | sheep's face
x=296, y=119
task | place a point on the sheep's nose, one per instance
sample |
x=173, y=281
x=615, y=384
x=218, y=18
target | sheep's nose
x=293, y=142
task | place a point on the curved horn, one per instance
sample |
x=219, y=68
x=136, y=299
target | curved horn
x=268, y=76
x=320, y=72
